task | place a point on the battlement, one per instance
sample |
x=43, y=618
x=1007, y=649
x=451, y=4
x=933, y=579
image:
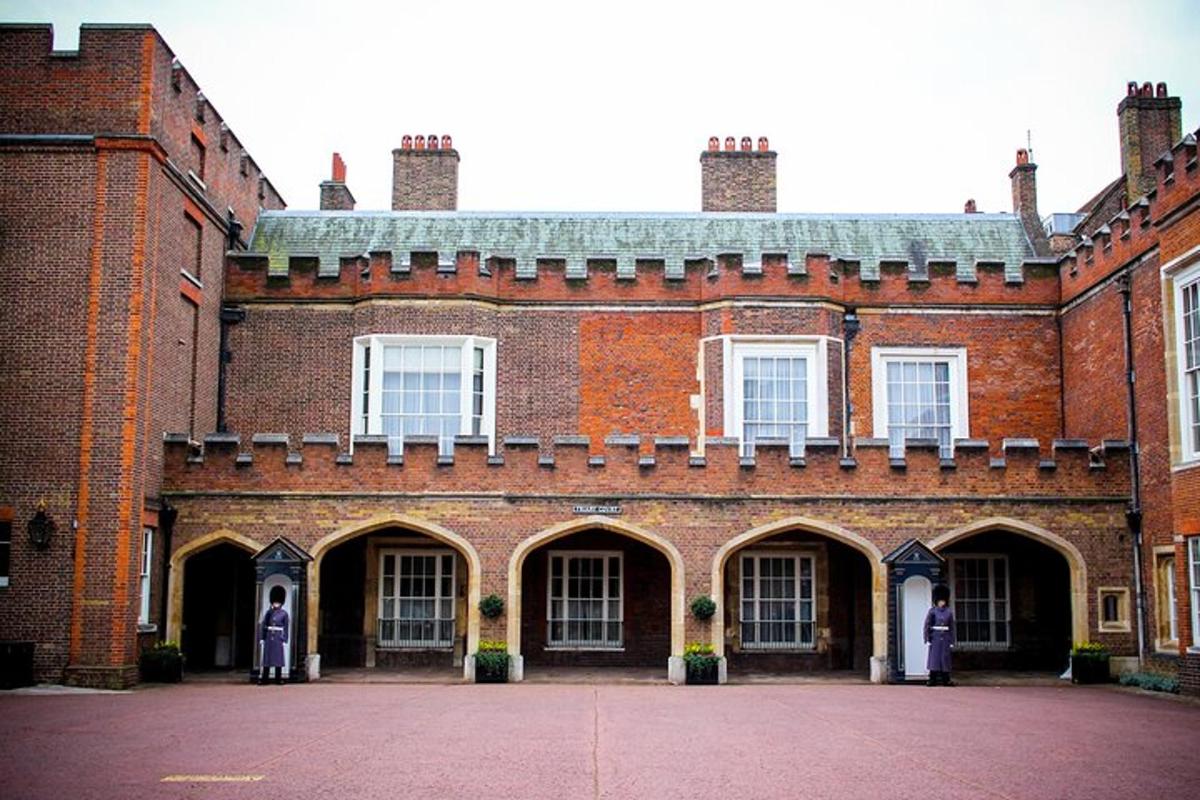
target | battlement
x=630, y=465
x=692, y=275
x=1133, y=231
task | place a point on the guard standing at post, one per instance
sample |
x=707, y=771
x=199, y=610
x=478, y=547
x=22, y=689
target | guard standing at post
x=939, y=635
x=274, y=636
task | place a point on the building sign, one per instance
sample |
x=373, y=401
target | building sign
x=611, y=510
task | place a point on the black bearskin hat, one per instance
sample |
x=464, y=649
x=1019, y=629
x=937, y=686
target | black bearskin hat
x=941, y=592
x=278, y=595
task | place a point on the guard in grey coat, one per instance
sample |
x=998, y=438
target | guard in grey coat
x=939, y=635
x=274, y=636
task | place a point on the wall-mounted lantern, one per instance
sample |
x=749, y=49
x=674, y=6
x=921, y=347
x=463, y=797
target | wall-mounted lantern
x=41, y=528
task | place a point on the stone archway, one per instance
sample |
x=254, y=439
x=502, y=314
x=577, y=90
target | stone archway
x=1076, y=566
x=417, y=525
x=175, y=580
x=853, y=540
x=649, y=538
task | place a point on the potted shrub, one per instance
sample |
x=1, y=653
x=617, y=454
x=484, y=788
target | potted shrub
x=702, y=664
x=1089, y=663
x=491, y=606
x=162, y=663
x=491, y=662
x=703, y=607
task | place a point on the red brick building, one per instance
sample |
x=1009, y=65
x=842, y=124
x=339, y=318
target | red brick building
x=596, y=417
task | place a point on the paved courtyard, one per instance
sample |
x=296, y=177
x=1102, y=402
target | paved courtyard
x=598, y=741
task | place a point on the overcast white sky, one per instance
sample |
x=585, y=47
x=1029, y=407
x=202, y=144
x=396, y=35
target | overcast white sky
x=890, y=106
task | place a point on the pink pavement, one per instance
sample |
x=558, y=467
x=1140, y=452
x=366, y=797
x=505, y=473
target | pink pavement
x=601, y=741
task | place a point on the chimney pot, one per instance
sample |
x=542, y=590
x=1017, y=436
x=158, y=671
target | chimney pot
x=433, y=142
x=447, y=144
x=1022, y=156
x=419, y=143
x=969, y=208
x=714, y=144
x=1161, y=90
x=746, y=146
x=1147, y=90
x=762, y=144
x=730, y=145
x=1131, y=89
x=406, y=142
x=339, y=169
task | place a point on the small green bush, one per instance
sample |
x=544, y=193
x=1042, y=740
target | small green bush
x=1151, y=682
x=162, y=663
x=703, y=607
x=491, y=662
x=491, y=606
x=1090, y=650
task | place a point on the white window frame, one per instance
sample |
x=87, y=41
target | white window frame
x=1193, y=552
x=955, y=357
x=567, y=555
x=438, y=598
x=815, y=351
x=991, y=643
x=144, y=576
x=1166, y=599
x=468, y=344
x=1121, y=624
x=1182, y=281
x=773, y=647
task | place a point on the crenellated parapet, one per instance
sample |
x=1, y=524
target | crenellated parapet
x=329, y=263
x=1134, y=231
x=631, y=465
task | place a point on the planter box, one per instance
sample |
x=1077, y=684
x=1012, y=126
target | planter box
x=490, y=671
x=703, y=673
x=1089, y=669
x=161, y=669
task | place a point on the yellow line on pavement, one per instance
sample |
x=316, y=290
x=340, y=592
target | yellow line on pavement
x=212, y=778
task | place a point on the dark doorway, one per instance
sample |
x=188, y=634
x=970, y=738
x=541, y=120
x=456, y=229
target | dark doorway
x=218, y=609
x=341, y=641
x=1012, y=603
x=798, y=602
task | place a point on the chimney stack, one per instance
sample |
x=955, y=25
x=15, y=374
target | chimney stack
x=1150, y=124
x=738, y=180
x=1024, y=195
x=969, y=207
x=335, y=195
x=425, y=174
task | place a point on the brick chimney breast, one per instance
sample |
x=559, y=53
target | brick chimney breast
x=738, y=180
x=425, y=174
x=335, y=195
x=1150, y=123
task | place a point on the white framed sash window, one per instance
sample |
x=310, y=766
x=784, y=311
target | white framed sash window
x=416, y=599
x=775, y=389
x=919, y=393
x=778, y=603
x=979, y=594
x=585, y=600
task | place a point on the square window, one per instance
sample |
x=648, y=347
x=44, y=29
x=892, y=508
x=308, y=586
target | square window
x=919, y=393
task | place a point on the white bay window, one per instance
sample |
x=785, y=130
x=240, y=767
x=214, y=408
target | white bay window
x=441, y=386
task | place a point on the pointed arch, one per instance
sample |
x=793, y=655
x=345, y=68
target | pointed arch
x=1076, y=565
x=175, y=574
x=594, y=522
x=837, y=533
x=415, y=524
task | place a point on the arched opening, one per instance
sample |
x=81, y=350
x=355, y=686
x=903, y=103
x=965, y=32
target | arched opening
x=796, y=602
x=394, y=594
x=796, y=597
x=218, y=602
x=1018, y=594
x=595, y=593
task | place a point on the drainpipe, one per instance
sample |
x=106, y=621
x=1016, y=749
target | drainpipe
x=230, y=315
x=1133, y=515
x=851, y=325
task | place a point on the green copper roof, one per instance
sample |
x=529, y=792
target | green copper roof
x=867, y=238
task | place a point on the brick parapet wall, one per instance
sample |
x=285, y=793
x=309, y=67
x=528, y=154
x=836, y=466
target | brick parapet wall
x=249, y=279
x=572, y=467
